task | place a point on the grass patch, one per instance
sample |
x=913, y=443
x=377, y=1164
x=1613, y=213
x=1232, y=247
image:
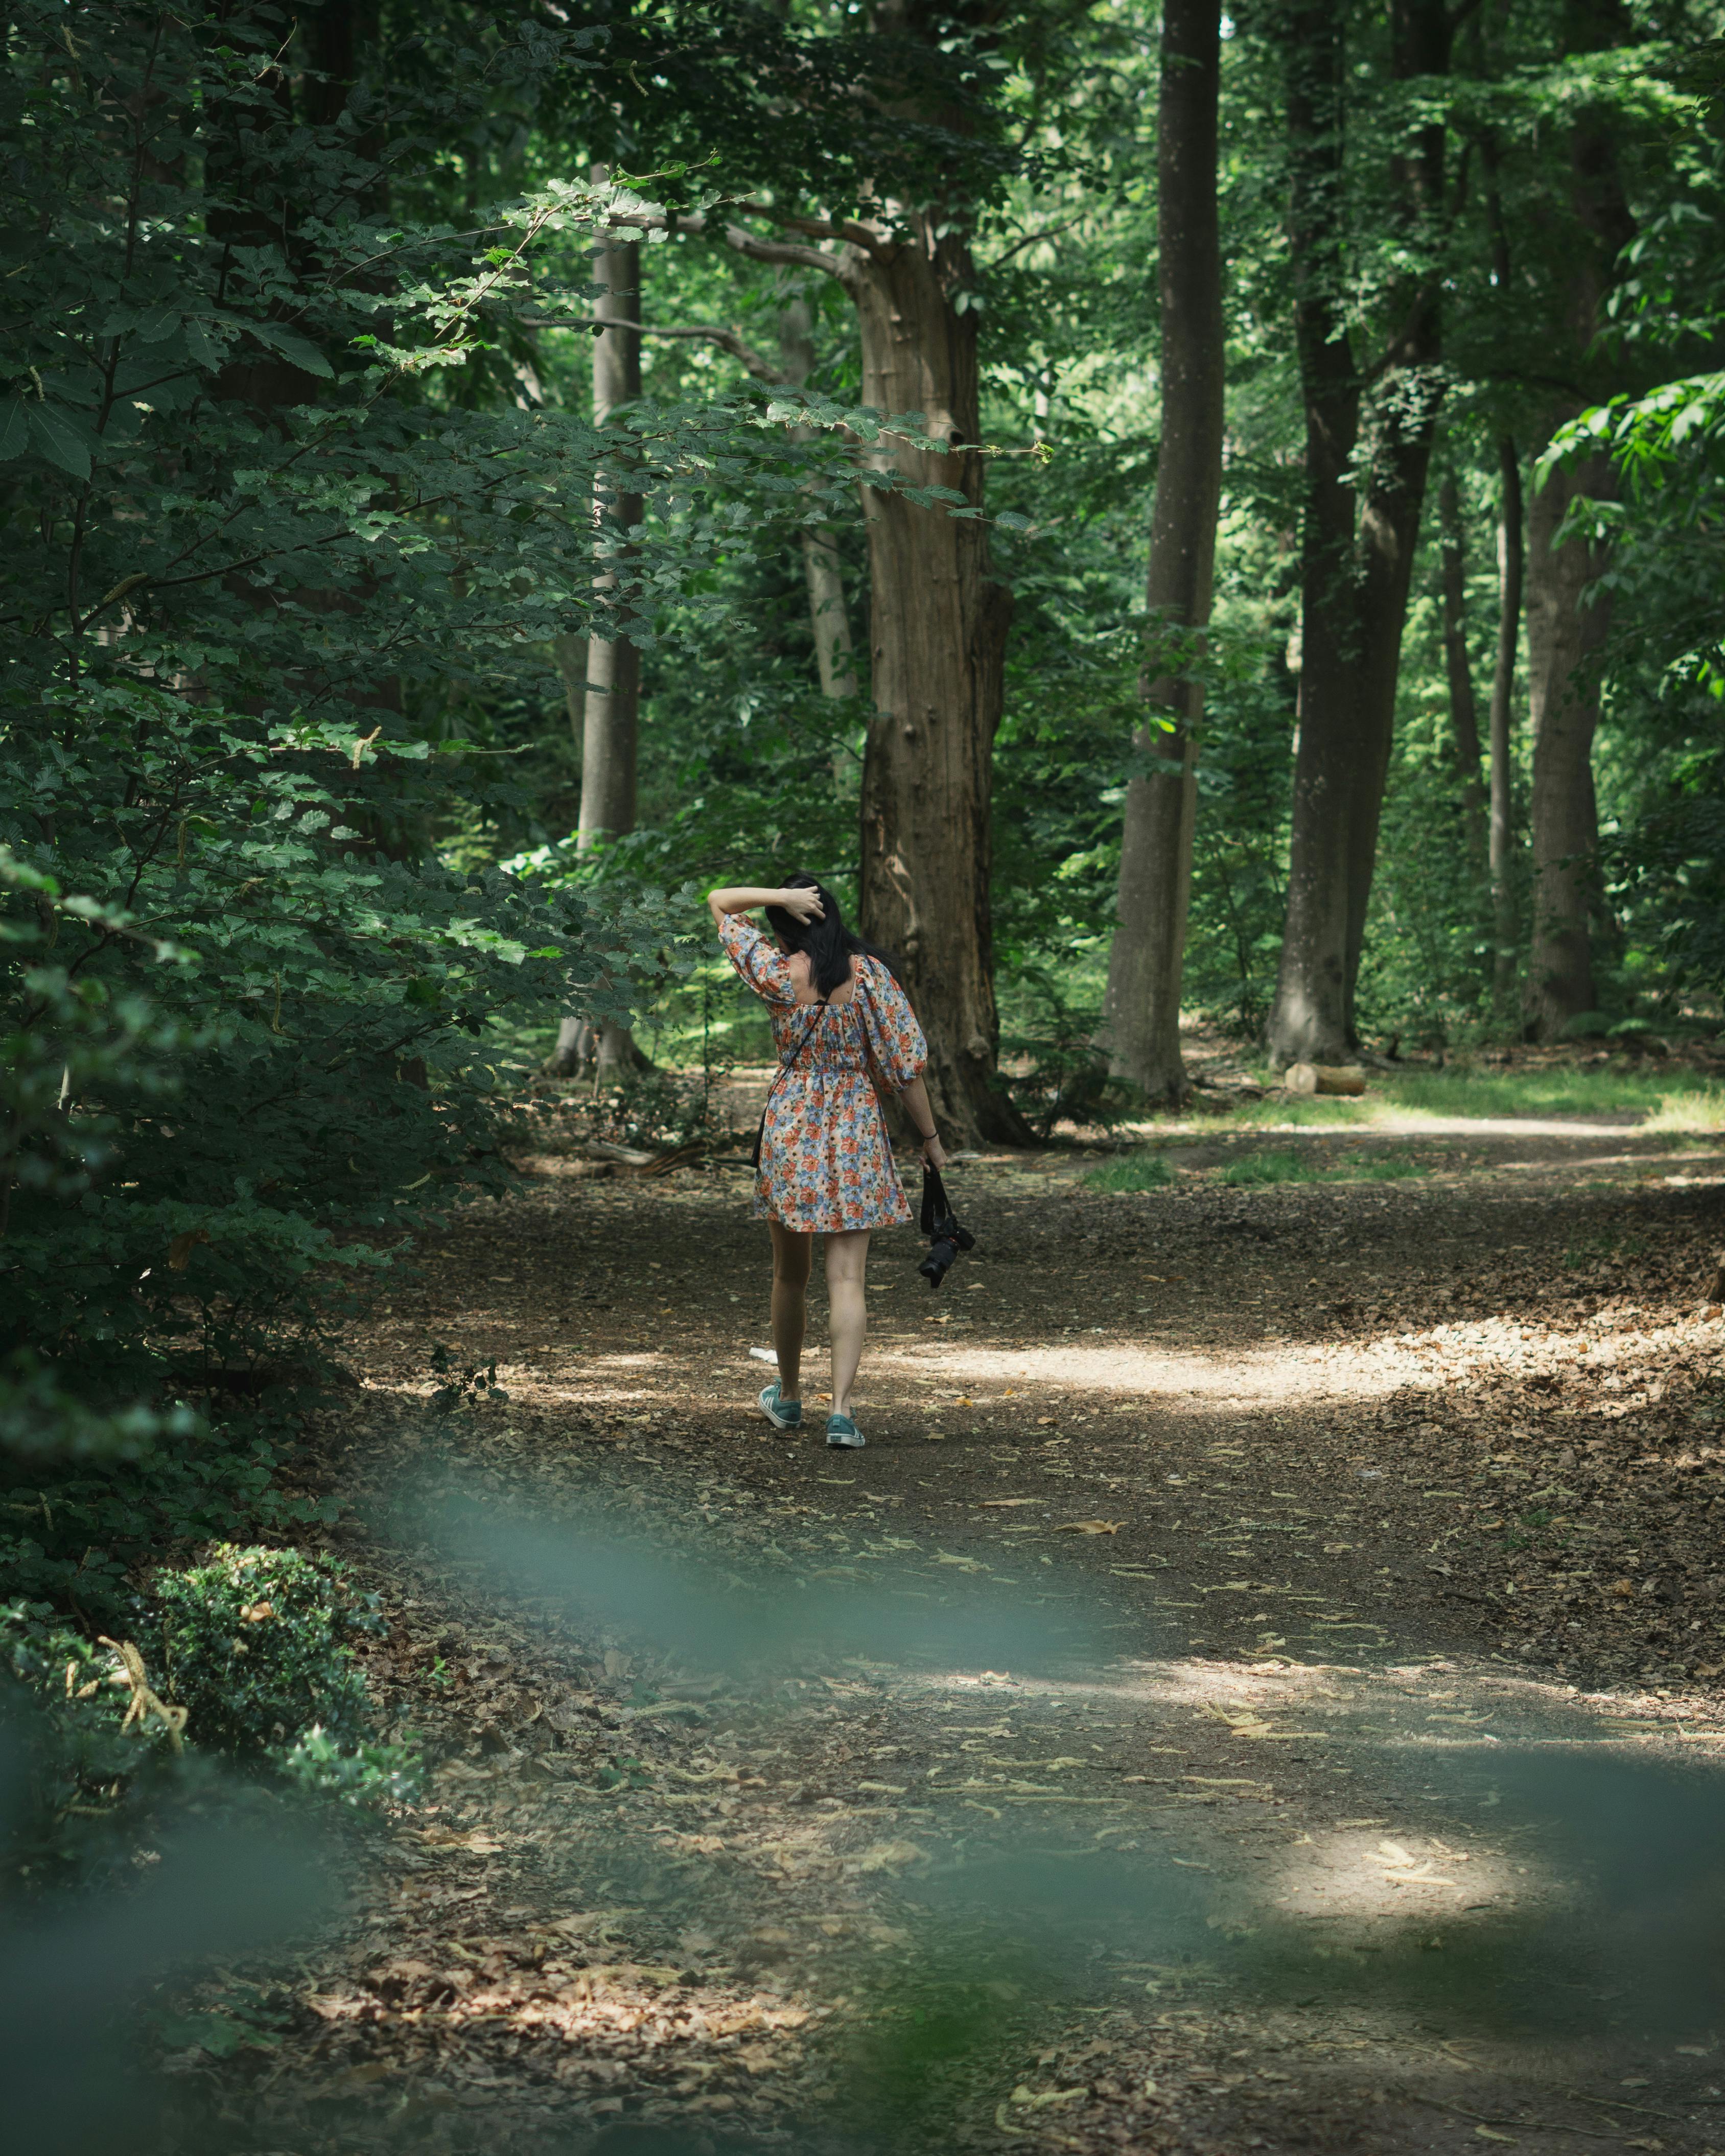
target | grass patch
x=1132, y=1171
x=1679, y=1102
x=1700, y=1110
x=1260, y=1167
x=1393, y=1168
x=1257, y=1167
x=1152, y=1171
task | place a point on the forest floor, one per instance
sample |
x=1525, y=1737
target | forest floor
x=1262, y=1687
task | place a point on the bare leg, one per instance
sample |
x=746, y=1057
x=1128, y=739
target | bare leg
x=847, y=1314
x=791, y=1256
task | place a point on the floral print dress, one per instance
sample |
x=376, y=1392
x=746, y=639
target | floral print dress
x=826, y=1167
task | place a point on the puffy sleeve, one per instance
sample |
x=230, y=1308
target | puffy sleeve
x=896, y=1042
x=761, y=964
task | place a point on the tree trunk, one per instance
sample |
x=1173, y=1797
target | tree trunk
x=612, y=696
x=1354, y=587
x=937, y=642
x=1458, y=668
x=1146, y=964
x=614, y=666
x=1562, y=637
x=1510, y=552
x=835, y=654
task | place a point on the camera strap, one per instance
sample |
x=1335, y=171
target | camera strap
x=785, y=1070
x=935, y=1205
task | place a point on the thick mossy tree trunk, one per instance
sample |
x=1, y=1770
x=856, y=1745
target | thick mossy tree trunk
x=1365, y=482
x=1146, y=962
x=937, y=623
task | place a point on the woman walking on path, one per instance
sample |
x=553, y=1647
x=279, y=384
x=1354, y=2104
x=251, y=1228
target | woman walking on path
x=841, y=1023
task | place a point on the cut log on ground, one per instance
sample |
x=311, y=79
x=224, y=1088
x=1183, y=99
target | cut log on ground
x=1308, y=1078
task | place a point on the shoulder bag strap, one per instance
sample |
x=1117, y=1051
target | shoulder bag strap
x=784, y=1071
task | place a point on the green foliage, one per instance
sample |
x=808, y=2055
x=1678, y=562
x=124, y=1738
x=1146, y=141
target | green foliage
x=270, y=531
x=247, y=1660
x=85, y=1775
x=76, y=1530
x=1057, y=1074
x=255, y=1645
x=365, y=1776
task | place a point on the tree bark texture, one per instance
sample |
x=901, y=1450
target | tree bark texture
x=612, y=676
x=1511, y=551
x=835, y=653
x=937, y=623
x=1563, y=637
x=612, y=703
x=1365, y=477
x=1146, y=962
x=1458, y=668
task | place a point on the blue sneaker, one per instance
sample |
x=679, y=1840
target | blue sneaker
x=843, y=1433
x=783, y=1414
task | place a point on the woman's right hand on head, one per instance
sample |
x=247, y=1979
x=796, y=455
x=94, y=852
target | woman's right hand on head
x=803, y=904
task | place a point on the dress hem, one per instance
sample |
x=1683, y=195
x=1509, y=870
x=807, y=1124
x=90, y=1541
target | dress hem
x=759, y=1212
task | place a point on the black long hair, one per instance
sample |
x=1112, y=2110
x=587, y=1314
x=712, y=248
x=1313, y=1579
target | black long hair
x=828, y=944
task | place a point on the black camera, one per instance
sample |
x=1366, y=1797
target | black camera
x=941, y=1225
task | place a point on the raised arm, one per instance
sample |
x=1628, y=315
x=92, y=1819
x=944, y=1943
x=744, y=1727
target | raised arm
x=744, y=898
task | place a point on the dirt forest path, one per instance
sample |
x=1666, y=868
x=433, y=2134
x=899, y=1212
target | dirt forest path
x=1259, y=1687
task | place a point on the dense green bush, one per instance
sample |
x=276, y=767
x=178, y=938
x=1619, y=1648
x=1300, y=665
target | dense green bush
x=244, y=1661
x=255, y=1644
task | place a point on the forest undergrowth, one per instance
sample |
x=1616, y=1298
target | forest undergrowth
x=1262, y=1686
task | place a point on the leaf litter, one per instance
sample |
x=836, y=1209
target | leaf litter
x=457, y=1970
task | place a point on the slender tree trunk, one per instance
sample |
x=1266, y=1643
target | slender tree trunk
x=1458, y=667
x=1146, y=964
x=835, y=654
x=613, y=665
x=1509, y=554
x=612, y=690
x=1564, y=636
x=1354, y=594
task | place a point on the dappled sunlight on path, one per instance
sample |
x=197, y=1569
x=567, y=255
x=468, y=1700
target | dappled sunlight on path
x=1143, y=1743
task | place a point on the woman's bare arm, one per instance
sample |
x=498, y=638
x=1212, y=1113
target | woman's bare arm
x=744, y=898
x=914, y=1097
